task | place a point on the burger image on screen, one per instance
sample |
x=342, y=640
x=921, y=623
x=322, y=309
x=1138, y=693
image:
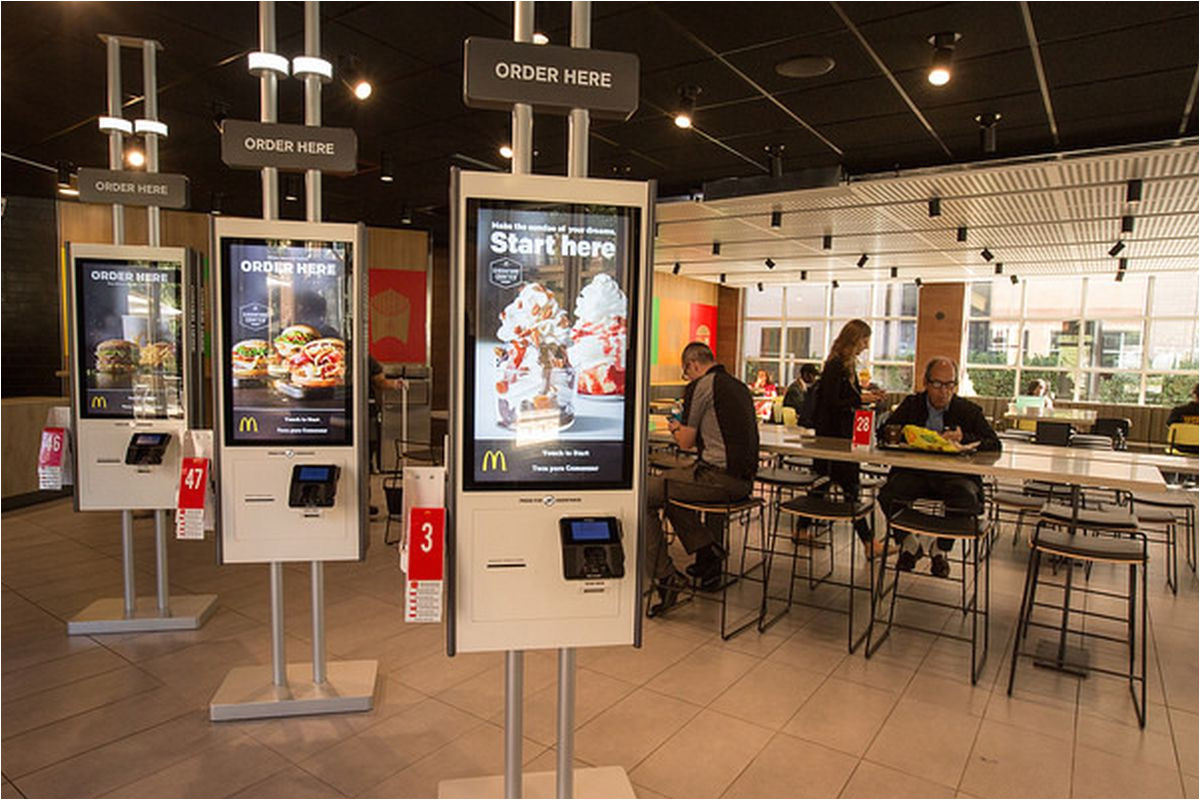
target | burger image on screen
x=116, y=361
x=320, y=364
x=159, y=357
x=249, y=358
x=287, y=344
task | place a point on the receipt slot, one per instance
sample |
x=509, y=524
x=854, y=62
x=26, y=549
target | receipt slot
x=550, y=293
x=290, y=383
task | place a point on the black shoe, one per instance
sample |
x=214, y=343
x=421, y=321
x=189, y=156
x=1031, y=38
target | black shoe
x=940, y=568
x=906, y=561
x=711, y=582
x=944, y=544
x=374, y=511
x=668, y=592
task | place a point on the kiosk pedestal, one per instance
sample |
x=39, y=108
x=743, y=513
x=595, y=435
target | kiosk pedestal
x=589, y=782
x=251, y=693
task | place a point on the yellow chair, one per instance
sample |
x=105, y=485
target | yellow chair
x=1027, y=425
x=1183, y=433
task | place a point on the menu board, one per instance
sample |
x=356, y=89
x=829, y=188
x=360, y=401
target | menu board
x=287, y=320
x=551, y=294
x=129, y=350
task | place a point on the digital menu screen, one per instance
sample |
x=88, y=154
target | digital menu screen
x=550, y=299
x=129, y=347
x=287, y=320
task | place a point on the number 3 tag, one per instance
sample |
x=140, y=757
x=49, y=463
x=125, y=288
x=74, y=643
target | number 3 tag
x=423, y=601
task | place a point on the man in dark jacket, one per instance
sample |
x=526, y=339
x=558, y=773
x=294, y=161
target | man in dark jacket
x=958, y=420
x=797, y=389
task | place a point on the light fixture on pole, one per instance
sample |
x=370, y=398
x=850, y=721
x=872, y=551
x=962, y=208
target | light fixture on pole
x=961, y=235
x=291, y=188
x=216, y=201
x=943, y=57
x=1116, y=249
x=387, y=168
x=776, y=218
x=303, y=66
x=986, y=254
x=770, y=264
x=935, y=206
x=862, y=260
x=1121, y=265
x=406, y=214
x=1133, y=190
x=775, y=159
x=1127, y=223
x=987, y=130
x=827, y=241
x=675, y=269
x=63, y=168
x=685, y=111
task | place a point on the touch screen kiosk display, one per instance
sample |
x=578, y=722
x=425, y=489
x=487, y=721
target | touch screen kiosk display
x=129, y=351
x=287, y=323
x=550, y=293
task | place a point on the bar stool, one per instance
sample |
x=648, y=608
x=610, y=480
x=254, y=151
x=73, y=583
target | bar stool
x=1162, y=516
x=822, y=513
x=744, y=512
x=780, y=480
x=976, y=552
x=1014, y=503
x=1117, y=542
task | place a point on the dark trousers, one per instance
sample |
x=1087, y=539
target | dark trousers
x=845, y=475
x=699, y=483
x=960, y=493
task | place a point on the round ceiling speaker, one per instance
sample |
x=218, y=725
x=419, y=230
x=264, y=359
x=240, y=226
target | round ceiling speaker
x=805, y=66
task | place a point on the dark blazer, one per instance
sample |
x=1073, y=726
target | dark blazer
x=960, y=413
x=838, y=396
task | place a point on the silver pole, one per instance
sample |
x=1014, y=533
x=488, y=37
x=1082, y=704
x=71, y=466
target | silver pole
x=268, y=95
x=127, y=563
x=278, y=661
x=514, y=660
x=578, y=122
x=150, y=103
x=116, y=142
x=312, y=207
x=160, y=552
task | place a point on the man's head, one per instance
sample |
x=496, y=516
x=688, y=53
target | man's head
x=696, y=360
x=941, y=380
x=808, y=374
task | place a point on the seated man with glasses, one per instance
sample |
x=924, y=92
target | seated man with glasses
x=958, y=420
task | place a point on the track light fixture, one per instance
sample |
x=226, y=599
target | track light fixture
x=987, y=130
x=1127, y=223
x=803, y=274
x=354, y=77
x=63, y=168
x=935, y=206
x=675, y=269
x=862, y=260
x=220, y=113
x=775, y=159
x=962, y=233
x=716, y=248
x=1116, y=248
x=895, y=272
x=834, y=284
x=1120, y=276
x=406, y=214
x=776, y=218
x=1014, y=280
x=986, y=254
x=1122, y=263
x=387, y=169
x=917, y=281
x=216, y=202
x=291, y=188
x=1133, y=190
x=685, y=111
x=722, y=277
x=506, y=151
x=999, y=268
x=827, y=242
x=770, y=264
x=760, y=286
x=943, y=57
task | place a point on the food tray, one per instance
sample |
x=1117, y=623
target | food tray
x=962, y=451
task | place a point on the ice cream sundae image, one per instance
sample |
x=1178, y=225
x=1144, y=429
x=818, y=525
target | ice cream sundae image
x=535, y=384
x=598, y=338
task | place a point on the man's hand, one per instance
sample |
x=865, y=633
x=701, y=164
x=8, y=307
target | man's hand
x=673, y=425
x=954, y=435
x=870, y=396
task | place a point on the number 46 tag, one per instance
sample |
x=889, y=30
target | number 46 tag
x=193, y=485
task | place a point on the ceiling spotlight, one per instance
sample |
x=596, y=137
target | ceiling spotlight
x=675, y=269
x=541, y=38
x=362, y=89
x=895, y=272
x=1120, y=275
x=387, y=169
x=134, y=157
x=760, y=286
x=834, y=284
x=685, y=111
x=722, y=277
x=716, y=248
x=775, y=159
x=986, y=254
x=69, y=190
x=803, y=274
x=63, y=168
x=862, y=261
x=962, y=233
x=216, y=200
x=291, y=188
x=506, y=151
x=406, y=214
x=770, y=264
x=827, y=242
x=999, y=267
x=1014, y=280
x=917, y=281
x=1122, y=263
x=935, y=207
x=1127, y=224
x=987, y=130
x=943, y=57
x=1116, y=248
x=220, y=112
x=776, y=219
x=354, y=76
x=1133, y=190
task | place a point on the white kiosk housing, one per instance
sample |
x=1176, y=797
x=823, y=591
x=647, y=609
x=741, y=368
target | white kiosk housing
x=290, y=379
x=550, y=347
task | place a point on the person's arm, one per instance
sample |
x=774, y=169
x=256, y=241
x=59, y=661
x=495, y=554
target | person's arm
x=1176, y=415
x=684, y=432
x=975, y=428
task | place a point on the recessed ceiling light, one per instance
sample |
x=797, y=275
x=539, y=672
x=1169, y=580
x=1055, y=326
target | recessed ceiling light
x=805, y=66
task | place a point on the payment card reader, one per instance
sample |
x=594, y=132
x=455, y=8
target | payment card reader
x=147, y=449
x=313, y=485
x=591, y=548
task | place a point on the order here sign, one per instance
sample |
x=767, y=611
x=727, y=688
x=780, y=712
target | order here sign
x=498, y=73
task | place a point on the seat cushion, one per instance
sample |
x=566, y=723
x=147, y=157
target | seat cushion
x=953, y=525
x=1018, y=500
x=1110, y=518
x=822, y=508
x=732, y=507
x=785, y=477
x=1091, y=548
x=1151, y=514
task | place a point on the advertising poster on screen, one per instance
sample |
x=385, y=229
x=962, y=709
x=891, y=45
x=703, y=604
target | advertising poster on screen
x=552, y=341
x=287, y=323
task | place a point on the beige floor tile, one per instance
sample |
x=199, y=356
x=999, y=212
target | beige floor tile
x=289, y=782
x=659, y=651
x=801, y=652
x=703, y=675
x=925, y=740
x=218, y=771
x=642, y=791
x=790, y=767
x=1191, y=786
x=437, y=672
x=769, y=694
x=956, y=695
x=876, y=780
x=42, y=648
x=1185, y=728
x=225, y=623
x=1098, y=774
x=1152, y=745
x=877, y=671
x=632, y=728
x=595, y=692
x=1008, y=761
x=703, y=758
x=51, y=674
x=52, y=705
x=483, y=694
x=843, y=715
x=1045, y=718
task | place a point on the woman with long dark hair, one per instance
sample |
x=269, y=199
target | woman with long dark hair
x=839, y=395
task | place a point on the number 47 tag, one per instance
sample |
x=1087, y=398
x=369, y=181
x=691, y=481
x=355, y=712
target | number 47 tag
x=193, y=485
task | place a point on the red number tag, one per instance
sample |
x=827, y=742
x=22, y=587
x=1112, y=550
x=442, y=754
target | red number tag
x=51, y=453
x=426, y=534
x=193, y=485
x=864, y=426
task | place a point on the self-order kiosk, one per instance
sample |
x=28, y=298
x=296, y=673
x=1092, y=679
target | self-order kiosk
x=549, y=329
x=290, y=379
x=133, y=356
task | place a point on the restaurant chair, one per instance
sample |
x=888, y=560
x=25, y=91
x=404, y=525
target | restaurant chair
x=1057, y=434
x=1164, y=514
x=1016, y=435
x=778, y=481
x=965, y=529
x=1116, y=541
x=1116, y=428
x=1012, y=505
x=1182, y=434
x=1090, y=441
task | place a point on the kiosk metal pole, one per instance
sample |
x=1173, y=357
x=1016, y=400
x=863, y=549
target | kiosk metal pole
x=127, y=563
x=312, y=200
x=514, y=660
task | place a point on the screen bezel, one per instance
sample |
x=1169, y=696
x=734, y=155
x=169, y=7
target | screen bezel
x=226, y=368
x=566, y=527
x=467, y=452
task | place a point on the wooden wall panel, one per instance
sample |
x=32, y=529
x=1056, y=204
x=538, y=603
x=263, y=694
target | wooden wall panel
x=439, y=346
x=729, y=327
x=688, y=291
x=939, y=325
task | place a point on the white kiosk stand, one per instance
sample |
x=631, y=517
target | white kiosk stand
x=133, y=356
x=550, y=297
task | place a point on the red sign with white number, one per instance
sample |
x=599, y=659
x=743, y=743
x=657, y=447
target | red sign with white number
x=193, y=485
x=864, y=427
x=50, y=458
x=426, y=545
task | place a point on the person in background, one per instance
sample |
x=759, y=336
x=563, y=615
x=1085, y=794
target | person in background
x=959, y=421
x=1038, y=388
x=806, y=376
x=763, y=385
x=380, y=383
x=720, y=424
x=839, y=396
x=1188, y=413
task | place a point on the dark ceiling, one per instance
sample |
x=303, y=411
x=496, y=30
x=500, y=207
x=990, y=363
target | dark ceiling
x=1115, y=73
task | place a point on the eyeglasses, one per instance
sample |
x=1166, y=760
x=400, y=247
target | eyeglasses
x=941, y=384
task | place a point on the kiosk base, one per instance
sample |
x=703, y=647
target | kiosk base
x=188, y=612
x=589, y=782
x=250, y=693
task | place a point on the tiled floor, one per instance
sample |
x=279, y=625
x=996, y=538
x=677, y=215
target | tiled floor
x=787, y=713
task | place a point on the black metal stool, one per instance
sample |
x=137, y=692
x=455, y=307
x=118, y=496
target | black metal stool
x=976, y=552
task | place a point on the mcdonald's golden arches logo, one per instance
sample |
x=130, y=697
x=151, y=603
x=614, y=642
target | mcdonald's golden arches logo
x=99, y=401
x=248, y=424
x=494, y=459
